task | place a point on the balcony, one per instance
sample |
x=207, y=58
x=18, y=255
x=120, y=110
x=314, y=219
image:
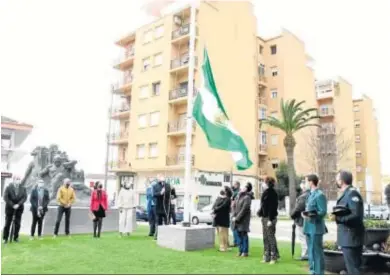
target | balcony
x=262, y=100
x=125, y=61
x=178, y=128
x=263, y=149
x=119, y=138
x=118, y=165
x=178, y=160
x=327, y=130
x=326, y=112
x=120, y=112
x=181, y=36
x=180, y=65
x=262, y=171
x=123, y=86
x=327, y=89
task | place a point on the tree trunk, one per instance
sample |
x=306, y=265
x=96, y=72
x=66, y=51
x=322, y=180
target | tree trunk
x=289, y=144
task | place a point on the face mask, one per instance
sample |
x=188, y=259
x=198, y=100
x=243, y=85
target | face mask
x=264, y=186
x=41, y=185
x=243, y=189
x=67, y=184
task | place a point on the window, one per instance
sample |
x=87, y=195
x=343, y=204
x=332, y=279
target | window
x=274, y=71
x=6, y=141
x=275, y=163
x=273, y=49
x=356, y=108
x=141, y=151
x=154, y=118
x=262, y=114
x=148, y=36
x=156, y=88
x=123, y=154
x=158, y=59
x=261, y=49
x=274, y=140
x=261, y=69
x=274, y=93
x=357, y=124
x=159, y=31
x=274, y=114
x=357, y=138
x=358, y=154
x=204, y=200
x=144, y=92
x=142, y=121
x=153, y=151
x=263, y=138
x=146, y=64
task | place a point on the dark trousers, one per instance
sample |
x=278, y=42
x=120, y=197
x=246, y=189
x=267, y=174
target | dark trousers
x=235, y=237
x=152, y=221
x=352, y=259
x=160, y=219
x=315, y=254
x=172, y=215
x=9, y=215
x=36, y=221
x=97, y=226
x=271, y=251
x=243, y=242
x=60, y=212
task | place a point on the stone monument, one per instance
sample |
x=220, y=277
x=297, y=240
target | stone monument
x=53, y=166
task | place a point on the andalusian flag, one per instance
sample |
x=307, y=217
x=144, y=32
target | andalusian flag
x=212, y=118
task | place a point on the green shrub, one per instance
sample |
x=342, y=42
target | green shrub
x=376, y=224
x=330, y=245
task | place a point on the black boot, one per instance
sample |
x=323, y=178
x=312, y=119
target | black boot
x=99, y=225
x=95, y=224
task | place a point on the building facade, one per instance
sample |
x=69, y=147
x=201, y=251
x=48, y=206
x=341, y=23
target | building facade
x=334, y=144
x=13, y=134
x=368, y=165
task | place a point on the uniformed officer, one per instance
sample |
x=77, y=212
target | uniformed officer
x=350, y=228
x=314, y=225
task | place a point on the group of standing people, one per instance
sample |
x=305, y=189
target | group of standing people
x=309, y=217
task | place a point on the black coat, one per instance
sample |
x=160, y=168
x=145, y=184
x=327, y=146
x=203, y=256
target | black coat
x=10, y=198
x=299, y=208
x=221, y=209
x=269, y=204
x=242, y=212
x=34, y=200
x=162, y=201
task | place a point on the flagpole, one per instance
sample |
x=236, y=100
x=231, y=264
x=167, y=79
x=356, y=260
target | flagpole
x=188, y=152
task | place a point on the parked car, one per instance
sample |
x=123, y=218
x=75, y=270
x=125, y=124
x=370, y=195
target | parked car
x=202, y=216
x=141, y=213
x=377, y=212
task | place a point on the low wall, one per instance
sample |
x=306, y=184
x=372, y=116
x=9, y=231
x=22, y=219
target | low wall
x=79, y=220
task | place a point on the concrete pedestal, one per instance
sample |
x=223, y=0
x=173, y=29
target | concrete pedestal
x=182, y=238
x=79, y=221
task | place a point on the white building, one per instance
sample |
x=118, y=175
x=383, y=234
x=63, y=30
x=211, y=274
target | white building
x=13, y=134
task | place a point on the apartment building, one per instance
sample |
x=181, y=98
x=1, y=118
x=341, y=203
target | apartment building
x=335, y=139
x=252, y=75
x=368, y=166
x=13, y=134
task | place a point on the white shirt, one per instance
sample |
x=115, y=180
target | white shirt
x=126, y=198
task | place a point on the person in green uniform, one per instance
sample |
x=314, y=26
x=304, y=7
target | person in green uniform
x=314, y=225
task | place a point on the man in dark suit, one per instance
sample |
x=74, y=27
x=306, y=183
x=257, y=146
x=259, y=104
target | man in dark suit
x=296, y=215
x=350, y=227
x=172, y=208
x=14, y=196
x=39, y=200
x=162, y=193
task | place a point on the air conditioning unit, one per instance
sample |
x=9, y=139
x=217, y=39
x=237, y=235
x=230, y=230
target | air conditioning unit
x=177, y=20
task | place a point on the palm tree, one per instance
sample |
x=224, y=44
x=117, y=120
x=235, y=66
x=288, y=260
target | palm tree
x=294, y=118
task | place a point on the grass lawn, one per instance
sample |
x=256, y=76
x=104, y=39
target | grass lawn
x=137, y=254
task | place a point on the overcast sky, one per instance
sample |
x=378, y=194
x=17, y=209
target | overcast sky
x=56, y=61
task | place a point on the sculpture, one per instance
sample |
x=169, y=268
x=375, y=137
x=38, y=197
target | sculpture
x=53, y=166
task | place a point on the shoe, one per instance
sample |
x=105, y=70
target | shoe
x=54, y=236
x=272, y=262
x=128, y=234
x=244, y=255
x=16, y=240
x=151, y=235
x=239, y=255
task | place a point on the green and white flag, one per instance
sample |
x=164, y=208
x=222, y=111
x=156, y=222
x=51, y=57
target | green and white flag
x=211, y=116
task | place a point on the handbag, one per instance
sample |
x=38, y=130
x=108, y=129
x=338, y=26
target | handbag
x=91, y=216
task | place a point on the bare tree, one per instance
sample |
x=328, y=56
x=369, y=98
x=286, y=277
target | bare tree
x=326, y=148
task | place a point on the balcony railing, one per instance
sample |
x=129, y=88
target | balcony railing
x=123, y=135
x=262, y=99
x=326, y=112
x=263, y=148
x=182, y=31
x=178, y=160
x=126, y=81
x=327, y=130
x=123, y=57
x=178, y=93
x=118, y=164
x=182, y=61
x=121, y=109
x=178, y=126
